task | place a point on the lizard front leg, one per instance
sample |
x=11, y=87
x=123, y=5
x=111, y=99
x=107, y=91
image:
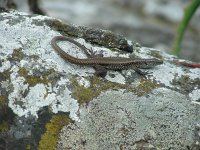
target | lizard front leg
x=142, y=73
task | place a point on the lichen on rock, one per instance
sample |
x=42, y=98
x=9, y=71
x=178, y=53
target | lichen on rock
x=122, y=110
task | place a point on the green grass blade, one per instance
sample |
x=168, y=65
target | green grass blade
x=188, y=13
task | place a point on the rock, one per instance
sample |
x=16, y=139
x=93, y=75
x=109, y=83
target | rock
x=49, y=103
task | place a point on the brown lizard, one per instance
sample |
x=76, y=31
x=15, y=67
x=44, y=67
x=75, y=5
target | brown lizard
x=102, y=64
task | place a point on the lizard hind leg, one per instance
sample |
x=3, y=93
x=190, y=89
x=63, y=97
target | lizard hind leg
x=100, y=71
x=93, y=54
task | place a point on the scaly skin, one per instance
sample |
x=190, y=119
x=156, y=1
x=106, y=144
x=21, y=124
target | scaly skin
x=103, y=63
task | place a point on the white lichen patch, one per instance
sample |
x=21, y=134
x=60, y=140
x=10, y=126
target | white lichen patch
x=143, y=52
x=39, y=96
x=194, y=73
x=64, y=101
x=84, y=82
x=117, y=78
x=168, y=71
x=194, y=95
x=33, y=40
x=5, y=65
x=16, y=100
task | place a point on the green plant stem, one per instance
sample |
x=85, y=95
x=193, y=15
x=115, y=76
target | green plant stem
x=188, y=13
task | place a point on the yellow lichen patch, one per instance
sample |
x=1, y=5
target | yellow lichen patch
x=50, y=137
x=4, y=126
x=17, y=54
x=32, y=80
x=28, y=147
x=98, y=85
x=84, y=94
x=145, y=87
x=23, y=72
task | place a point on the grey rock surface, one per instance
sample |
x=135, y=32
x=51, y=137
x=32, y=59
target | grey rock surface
x=116, y=119
x=121, y=111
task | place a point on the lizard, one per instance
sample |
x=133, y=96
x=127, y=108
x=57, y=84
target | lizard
x=102, y=64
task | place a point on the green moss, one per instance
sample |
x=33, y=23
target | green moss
x=96, y=36
x=28, y=147
x=58, y=25
x=186, y=83
x=2, y=101
x=156, y=54
x=84, y=95
x=98, y=85
x=4, y=126
x=121, y=147
x=145, y=87
x=5, y=75
x=34, y=57
x=50, y=137
x=23, y=72
x=33, y=80
x=17, y=54
x=65, y=29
